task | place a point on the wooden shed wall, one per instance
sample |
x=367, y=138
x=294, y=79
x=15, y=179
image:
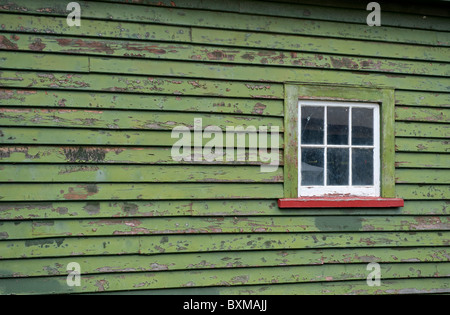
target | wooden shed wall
x=86, y=172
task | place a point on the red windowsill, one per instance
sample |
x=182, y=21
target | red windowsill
x=341, y=202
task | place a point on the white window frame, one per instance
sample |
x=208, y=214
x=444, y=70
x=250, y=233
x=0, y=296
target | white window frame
x=352, y=190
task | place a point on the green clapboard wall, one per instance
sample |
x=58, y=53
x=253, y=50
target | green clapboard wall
x=86, y=173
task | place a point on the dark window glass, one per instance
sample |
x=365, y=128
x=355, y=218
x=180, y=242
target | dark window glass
x=362, y=126
x=362, y=167
x=338, y=168
x=312, y=166
x=337, y=125
x=312, y=125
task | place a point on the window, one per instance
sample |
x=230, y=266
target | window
x=339, y=150
x=339, y=147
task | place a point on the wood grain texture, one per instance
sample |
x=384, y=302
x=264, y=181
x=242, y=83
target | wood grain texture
x=233, y=21
x=79, y=209
x=158, y=244
x=185, y=52
x=217, y=260
x=206, y=278
x=167, y=103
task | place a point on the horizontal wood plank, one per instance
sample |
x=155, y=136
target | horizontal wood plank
x=423, y=176
x=234, y=21
x=261, y=73
x=207, y=225
x=66, y=136
x=425, y=130
x=185, y=52
x=415, y=98
x=128, y=155
x=133, y=173
x=157, y=244
x=423, y=114
x=141, y=84
x=113, y=119
x=103, y=29
x=424, y=192
x=98, y=100
x=316, y=44
x=205, y=278
x=31, y=61
x=422, y=145
x=136, y=191
x=34, y=210
x=314, y=10
x=388, y=287
x=421, y=160
x=216, y=260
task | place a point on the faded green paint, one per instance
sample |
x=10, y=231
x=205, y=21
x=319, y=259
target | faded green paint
x=103, y=101
x=134, y=173
x=14, y=60
x=423, y=176
x=115, y=155
x=317, y=44
x=387, y=127
x=422, y=160
x=65, y=136
x=228, y=20
x=151, y=191
x=344, y=223
x=214, y=260
x=440, y=115
x=201, y=208
x=389, y=287
x=423, y=191
x=205, y=278
x=291, y=140
x=252, y=7
x=422, y=145
x=111, y=119
x=346, y=12
x=43, y=24
x=415, y=98
x=161, y=50
x=157, y=226
x=109, y=65
x=140, y=84
x=421, y=130
x=158, y=244
x=86, y=168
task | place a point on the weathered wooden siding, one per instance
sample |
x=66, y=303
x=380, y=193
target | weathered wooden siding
x=86, y=173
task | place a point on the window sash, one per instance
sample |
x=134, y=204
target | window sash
x=359, y=190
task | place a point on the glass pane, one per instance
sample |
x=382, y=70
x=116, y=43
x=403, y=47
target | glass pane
x=337, y=132
x=338, y=169
x=312, y=166
x=362, y=126
x=312, y=122
x=362, y=167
